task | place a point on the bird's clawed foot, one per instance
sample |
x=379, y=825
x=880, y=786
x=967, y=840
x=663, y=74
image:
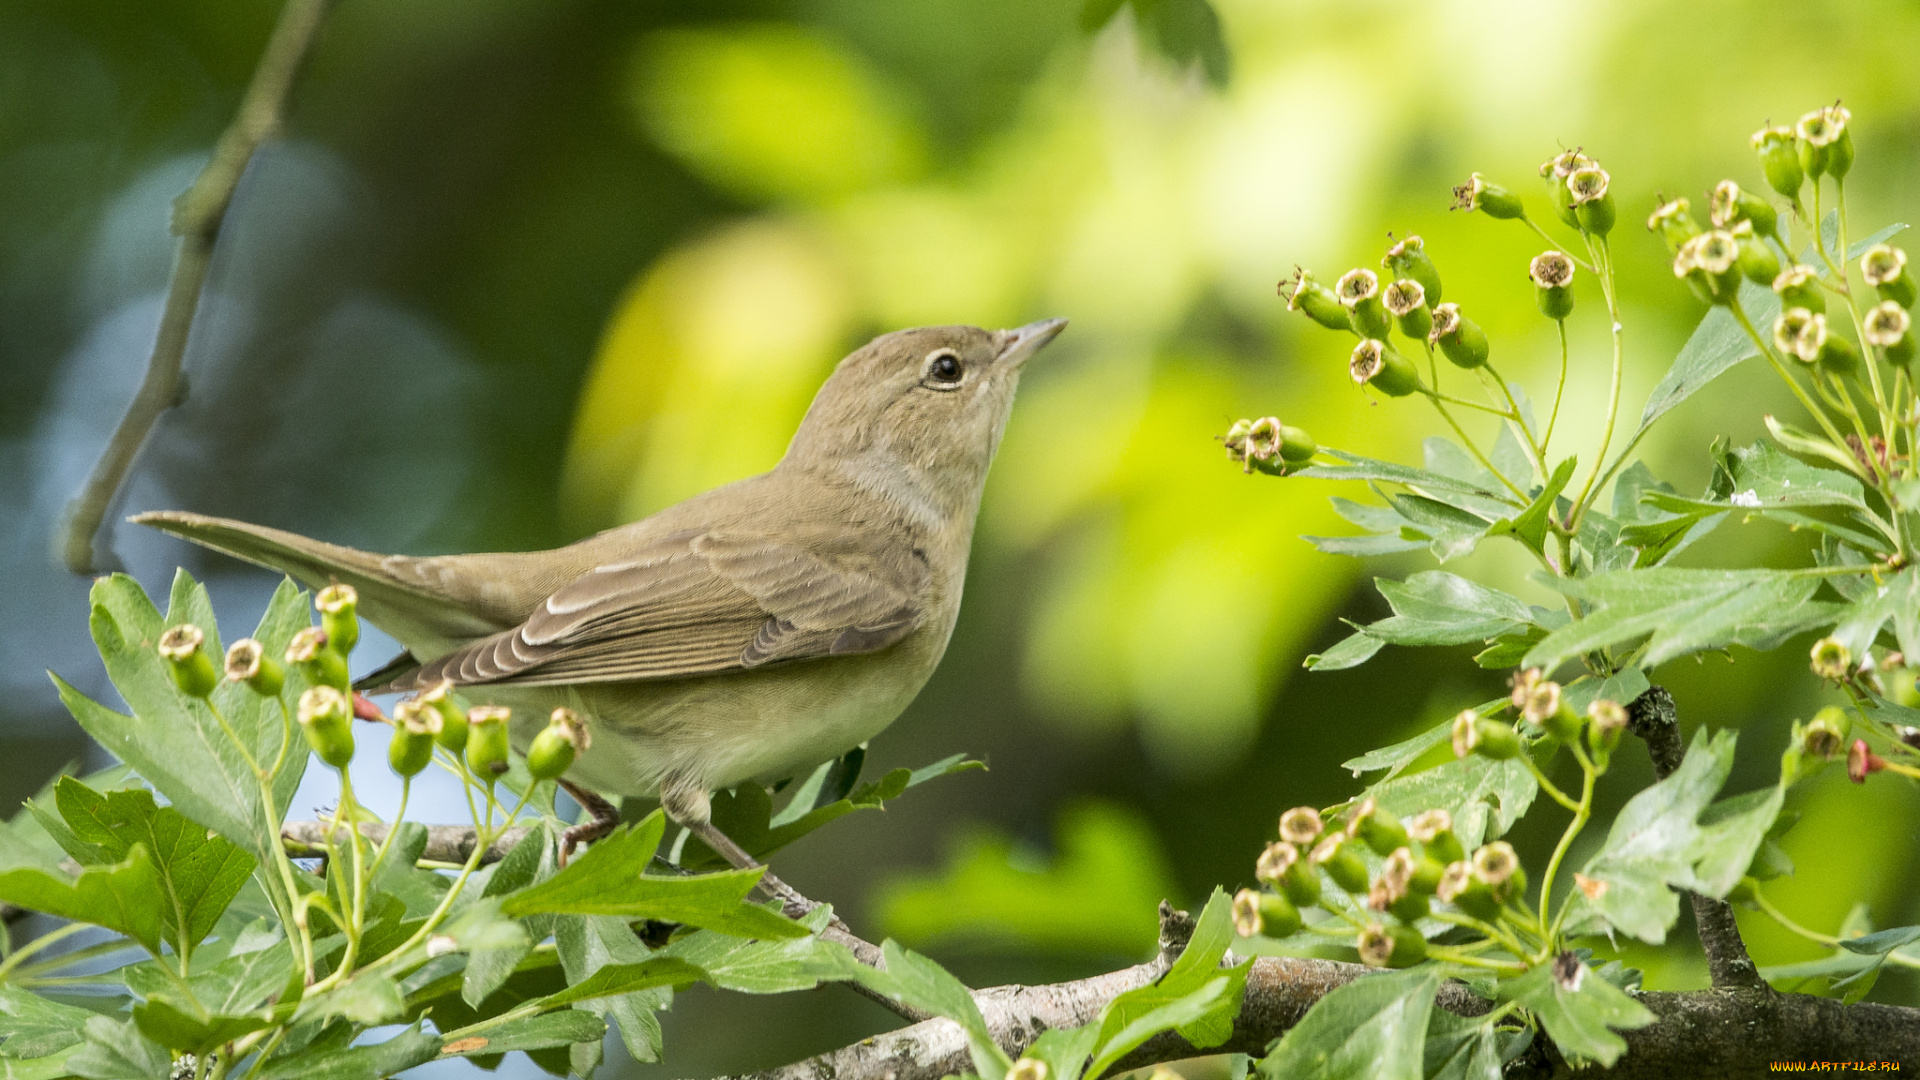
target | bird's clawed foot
x=600, y=820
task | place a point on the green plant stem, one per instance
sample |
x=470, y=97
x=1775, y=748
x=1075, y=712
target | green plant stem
x=1553, y=418
x=1513, y=414
x=1555, y=244
x=1454, y=955
x=27, y=973
x=299, y=941
x=1580, y=815
x=1437, y=397
x=1766, y=350
x=1548, y=786
x=1829, y=940
x=1609, y=288
x=51, y=937
x=272, y=1044
x=1507, y=941
x=399, y=815
x=1472, y=448
x=1887, y=425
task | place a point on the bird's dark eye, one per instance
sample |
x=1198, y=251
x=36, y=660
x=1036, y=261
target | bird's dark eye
x=943, y=370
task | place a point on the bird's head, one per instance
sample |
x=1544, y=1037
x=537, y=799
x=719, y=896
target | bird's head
x=933, y=401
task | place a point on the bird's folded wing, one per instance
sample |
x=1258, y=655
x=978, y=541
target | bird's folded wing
x=699, y=603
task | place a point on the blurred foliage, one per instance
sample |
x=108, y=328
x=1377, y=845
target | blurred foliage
x=496, y=236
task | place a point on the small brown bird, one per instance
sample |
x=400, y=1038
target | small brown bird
x=745, y=634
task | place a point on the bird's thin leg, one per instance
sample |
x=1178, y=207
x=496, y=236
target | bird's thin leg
x=600, y=820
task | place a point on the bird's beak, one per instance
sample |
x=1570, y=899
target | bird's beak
x=1017, y=345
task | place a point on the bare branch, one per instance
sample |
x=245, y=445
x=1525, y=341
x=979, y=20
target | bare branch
x=445, y=843
x=197, y=215
x=1654, y=717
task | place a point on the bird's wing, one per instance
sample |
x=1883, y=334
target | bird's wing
x=699, y=603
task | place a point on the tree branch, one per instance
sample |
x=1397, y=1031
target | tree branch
x=197, y=216
x=445, y=843
x=1704, y=1035
x=1654, y=717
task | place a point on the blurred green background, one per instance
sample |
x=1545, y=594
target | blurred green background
x=521, y=271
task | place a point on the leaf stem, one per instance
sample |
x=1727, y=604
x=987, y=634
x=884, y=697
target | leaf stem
x=51, y=937
x=1580, y=815
x=1610, y=288
x=1829, y=940
x=1546, y=438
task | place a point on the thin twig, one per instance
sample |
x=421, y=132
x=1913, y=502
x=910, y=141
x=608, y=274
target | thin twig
x=197, y=216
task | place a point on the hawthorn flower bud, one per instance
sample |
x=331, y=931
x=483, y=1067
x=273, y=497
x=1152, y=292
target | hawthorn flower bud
x=1547, y=709
x=1270, y=446
x=1028, y=1069
x=248, y=662
x=1862, y=762
x=1674, y=223
x=1391, y=947
x=1889, y=327
x=1476, y=734
x=1710, y=265
x=1757, y=261
x=553, y=750
x=1375, y=826
x=1482, y=194
x=1460, y=339
x=1800, y=333
x=1301, y=881
x=487, y=740
x=187, y=661
x=337, y=605
x=1522, y=685
x=1257, y=913
x=1434, y=830
x=1406, y=301
x=326, y=719
x=1831, y=659
x=1552, y=276
x=1415, y=873
x=1340, y=858
x=310, y=652
x=411, y=749
x=1779, y=160
x=1409, y=261
x=1826, y=734
x=1607, y=723
x=1592, y=204
x=1375, y=364
x=1461, y=888
x=1799, y=287
x=1498, y=866
x=1556, y=171
x=1390, y=895
x=453, y=720
x=1301, y=826
x=1885, y=268
x=1316, y=300
x=1274, y=862
x=1359, y=292
x=1731, y=205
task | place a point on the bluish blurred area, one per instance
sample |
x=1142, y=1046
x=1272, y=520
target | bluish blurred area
x=516, y=272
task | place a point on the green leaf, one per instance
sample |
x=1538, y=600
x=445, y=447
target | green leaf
x=374, y=1061
x=1373, y=1028
x=914, y=980
x=1384, y=522
x=589, y=943
x=609, y=880
x=175, y=742
x=1350, y=652
x=746, y=815
x=494, y=945
x=368, y=998
x=1530, y=525
x=51, y=1067
x=614, y=980
x=200, y=872
x=1895, y=600
x=561, y=1028
x=216, y=1005
x=1065, y=1051
x=1401, y=753
x=1485, y=797
x=115, y=1050
x=1458, y=1048
x=33, y=1026
x=1421, y=481
x=1195, y=996
x=1715, y=346
x=1685, y=611
x=768, y=967
x=1450, y=531
x=1581, y=1012
x=124, y=897
x=1661, y=841
x=1437, y=608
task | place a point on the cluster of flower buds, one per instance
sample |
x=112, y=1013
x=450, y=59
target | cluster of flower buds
x=1818, y=145
x=1483, y=885
x=1888, y=326
x=1543, y=711
x=1407, y=304
x=1269, y=446
x=1578, y=188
